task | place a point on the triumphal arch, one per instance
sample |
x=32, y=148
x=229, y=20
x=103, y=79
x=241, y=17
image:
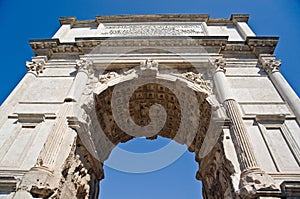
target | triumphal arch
x=210, y=84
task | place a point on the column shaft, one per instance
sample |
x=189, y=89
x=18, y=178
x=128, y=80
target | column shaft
x=77, y=87
x=286, y=92
x=271, y=66
x=79, y=82
x=238, y=130
x=240, y=136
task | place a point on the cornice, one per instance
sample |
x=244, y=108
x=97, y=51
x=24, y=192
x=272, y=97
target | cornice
x=234, y=18
x=212, y=44
x=67, y=20
x=239, y=18
x=153, y=18
x=262, y=45
x=48, y=47
x=43, y=43
x=262, y=41
x=73, y=22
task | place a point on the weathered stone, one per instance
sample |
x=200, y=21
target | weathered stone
x=216, y=88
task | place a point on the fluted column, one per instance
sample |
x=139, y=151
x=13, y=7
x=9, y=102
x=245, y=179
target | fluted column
x=46, y=174
x=50, y=151
x=240, y=136
x=239, y=132
x=79, y=83
x=252, y=177
x=271, y=66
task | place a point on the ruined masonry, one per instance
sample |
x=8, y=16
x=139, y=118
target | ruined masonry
x=219, y=84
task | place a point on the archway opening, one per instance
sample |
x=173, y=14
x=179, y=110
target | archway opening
x=124, y=110
x=176, y=180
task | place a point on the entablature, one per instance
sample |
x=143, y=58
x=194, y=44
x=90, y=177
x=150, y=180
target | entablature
x=196, y=44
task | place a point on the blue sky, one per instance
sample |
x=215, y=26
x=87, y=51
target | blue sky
x=24, y=20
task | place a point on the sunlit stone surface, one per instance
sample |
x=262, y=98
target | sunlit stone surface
x=210, y=84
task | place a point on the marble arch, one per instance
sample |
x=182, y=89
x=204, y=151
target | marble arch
x=146, y=87
x=65, y=116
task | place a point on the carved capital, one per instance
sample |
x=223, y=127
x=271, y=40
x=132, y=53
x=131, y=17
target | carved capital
x=197, y=79
x=219, y=64
x=36, y=66
x=269, y=63
x=254, y=181
x=84, y=65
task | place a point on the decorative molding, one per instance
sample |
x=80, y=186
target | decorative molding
x=7, y=184
x=291, y=188
x=277, y=122
x=67, y=20
x=154, y=41
x=262, y=45
x=268, y=118
x=158, y=18
x=261, y=41
x=151, y=18
x=215, y=44
x=49, y=47
x=239, y=17
x=293, y=145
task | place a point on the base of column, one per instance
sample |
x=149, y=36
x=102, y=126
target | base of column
x=78, y=177
x=40, y=182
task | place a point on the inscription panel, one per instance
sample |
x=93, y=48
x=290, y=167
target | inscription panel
x=153, y=30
